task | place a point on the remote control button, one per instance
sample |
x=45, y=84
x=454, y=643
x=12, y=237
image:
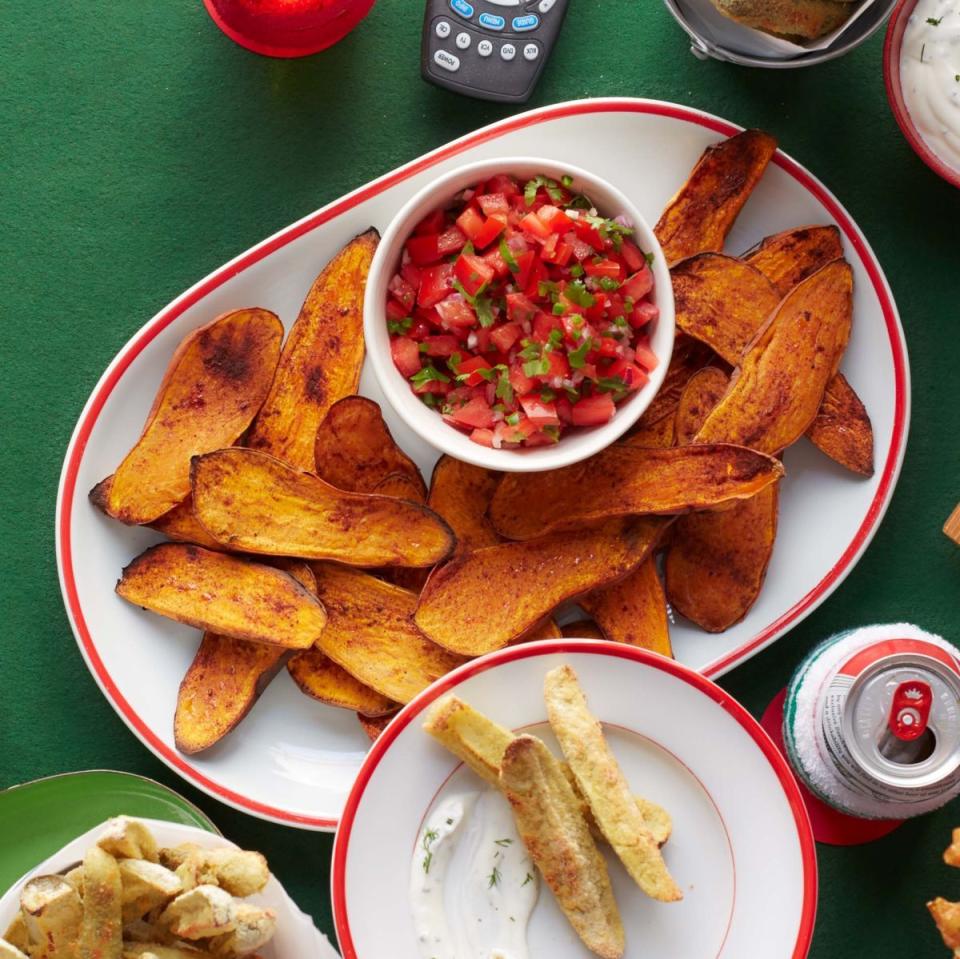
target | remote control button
x=484, y=48
x=492, y=22
x=443, y=29
x=508, y=51
x=530, y=22
x=446, y=60
x=531, y=51
x=463, y=40
x=462, y=7
x=546, y=5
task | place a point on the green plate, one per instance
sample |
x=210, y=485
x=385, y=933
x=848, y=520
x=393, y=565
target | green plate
x=40, y=817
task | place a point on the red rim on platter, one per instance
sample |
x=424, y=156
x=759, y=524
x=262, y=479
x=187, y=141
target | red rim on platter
x=70, y=499
x=892, y=47
x=592, y=647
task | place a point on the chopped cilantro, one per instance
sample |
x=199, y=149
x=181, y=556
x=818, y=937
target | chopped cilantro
x=578, y=357
x=609, y=284
x=484, y=308
x=429, y=837
x=528, y=879
x=554, y=339
x=536, y=367
x=503, y=842
x=512, y=419
x=512, y=265
x=576, y=270
x=400, y=326
x=567, y=180
x=429, y=374
x=559, y=309
x=934, y=21
x=649, y=257
x=494, y=878
x=532, y=186
x=577, y=293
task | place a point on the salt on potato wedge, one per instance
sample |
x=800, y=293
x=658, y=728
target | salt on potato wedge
x=254, y=928
x=604, y=786
x=257, y=504
x=627, y=480
x=321, y=360
x=126, y=838
x=201, y=912
x=52, y=913
x=145, y=886
x=238, y=871
x=102, y=925
x=213, y=387
x=223, y=594
x=552, y=827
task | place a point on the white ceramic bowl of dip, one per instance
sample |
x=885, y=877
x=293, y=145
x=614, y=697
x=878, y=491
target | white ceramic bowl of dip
x=575, y=445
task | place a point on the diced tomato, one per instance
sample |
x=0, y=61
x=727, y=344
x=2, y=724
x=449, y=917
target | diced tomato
x=538, y=273
x=419, y=329
x=633, y=258
x=411, y=274
x=520, y=308
x=406, y=355
x=533, y=225
x=541, y=438
x=396, y=311
x=470, y=368
x=539, y=412
x=506, y=335
x=483, y=437
x=633, y=377
x=494, y=257
x=559, y=366
x=435, y=283
x=471, y=222
x=451, y=241
x=549, y=248
x=475, y=414
x=431, y=223
x=544, y=324
x=473, y=272
x=609, y=347
x=638, y=285
x=456, y=313
x=442, y=345
x=519, y=380
x=581, y=251
x=424, y=250
x=555, y=218
x=403, y=291
x=483, y=335
x=562, y=253
x=645, y=357
x=588, y=233
x=492, y=203
x=607, y=268
x=502, y=183
x=514, y=434
x=593, y=410
x=432, y=386
x=526, y=263
x=489, y=232
x=643, y=313
x=564, y=408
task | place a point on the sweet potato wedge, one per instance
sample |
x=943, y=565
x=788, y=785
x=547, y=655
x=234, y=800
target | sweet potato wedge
x=628, y=481
x=722, y=302
x=480, y=601
x=401, y=486
x=252, y=502
x=699, y=217
x=181, y=526
x=548, y=629
x=842, y=428
x=370, y=633
x=223, y=594
x=777, y=390
x=702, y=394
x=788, y=258
x=213, y=387
x=461, y=494
x=320, y=678
x=689, y=356
x=321, y=359
x=658, y=435
x=633, y=610
x=582, y=629
x=355, y=451
x=374, y=725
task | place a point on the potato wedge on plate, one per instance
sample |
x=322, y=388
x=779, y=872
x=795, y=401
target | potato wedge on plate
x=321, y=359
x=461, y=494
x=215, y=384
x=102, y=925
x=702, y=394
x=52, y=914
x=788, y=258
x=181, y=526
x=842, y=428
x=319, y=677
x=689, y=356
x=255, y=503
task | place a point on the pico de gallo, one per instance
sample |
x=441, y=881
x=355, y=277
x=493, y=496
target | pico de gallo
x=519, y=312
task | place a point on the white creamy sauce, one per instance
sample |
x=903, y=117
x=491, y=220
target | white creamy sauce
x=472, y=884
x=930, y=75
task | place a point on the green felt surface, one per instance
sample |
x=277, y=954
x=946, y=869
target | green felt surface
x=142, y=149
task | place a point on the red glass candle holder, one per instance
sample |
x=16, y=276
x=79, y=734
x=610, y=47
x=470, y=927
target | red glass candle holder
x=287, y=28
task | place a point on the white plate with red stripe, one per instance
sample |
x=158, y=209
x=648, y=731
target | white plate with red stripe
x=741, y=849
x=293, y=760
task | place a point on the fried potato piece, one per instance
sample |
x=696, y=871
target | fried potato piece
x=788, y=258
x=145, y=886
x=202, y=912
x=223, y=594
x=796, y=20
x=689, y=356
x=181, y=526
x=699, y=217
x=320, y=678
x=240, y=872
x=355, y=450
x=604, y=786
x=842, y=428
x=552, y=826
x=255, y=503
x=582, y=629
x=946, y=915
x=722, y=302
x=374, y=725
x=9, y=951
x=625, y=480
x=776, y=391
x=702, y=394
x=52, y=913
x=951, y=855
x=102, y=925
x=371, y=635
x=525, y=582
x=633, y=610
x=126, y=838
x=216, y=382
x=461, y=494
x=480, y=743
x=17, y=935
x=321, y=360
x=144, y=950
x=255, y=928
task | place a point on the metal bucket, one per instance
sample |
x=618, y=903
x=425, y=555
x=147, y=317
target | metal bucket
x=703, y=47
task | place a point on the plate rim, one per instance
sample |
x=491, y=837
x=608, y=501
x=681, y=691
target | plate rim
x=66, y=493
x=590, y=647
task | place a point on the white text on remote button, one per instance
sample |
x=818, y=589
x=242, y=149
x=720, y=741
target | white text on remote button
x=546, y=5
x=531, y=51
x=446, y=60
x=508, y=51
x=484, y=48
x=463, y=40
x=443, y=29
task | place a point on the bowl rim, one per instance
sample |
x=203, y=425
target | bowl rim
x=892, y=46
x=450, y=441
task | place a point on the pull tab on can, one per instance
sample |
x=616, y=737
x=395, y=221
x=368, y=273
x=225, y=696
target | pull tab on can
x=910, y=710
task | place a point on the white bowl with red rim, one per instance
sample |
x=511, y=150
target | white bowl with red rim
x=577, y=443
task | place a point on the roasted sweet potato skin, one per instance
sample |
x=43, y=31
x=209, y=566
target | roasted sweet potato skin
x=582, y=629
x=374, y=725
x=689, y=356
x=777, y=390
x=254, y=503
x=788, y=258
x=355, y=450
x=180, y=525
x=321, y=359
x=461, y=494
x=223, y=594
x=320, y=678
x=525, y=581
x=842, y=428
x=626, y=480
x=702, y=394
x=212, y=389
x=699, y=217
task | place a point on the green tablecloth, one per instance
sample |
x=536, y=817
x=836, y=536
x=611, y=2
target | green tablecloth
x=141, y=149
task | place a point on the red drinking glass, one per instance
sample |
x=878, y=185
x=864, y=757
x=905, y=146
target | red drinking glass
x=287, y=28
